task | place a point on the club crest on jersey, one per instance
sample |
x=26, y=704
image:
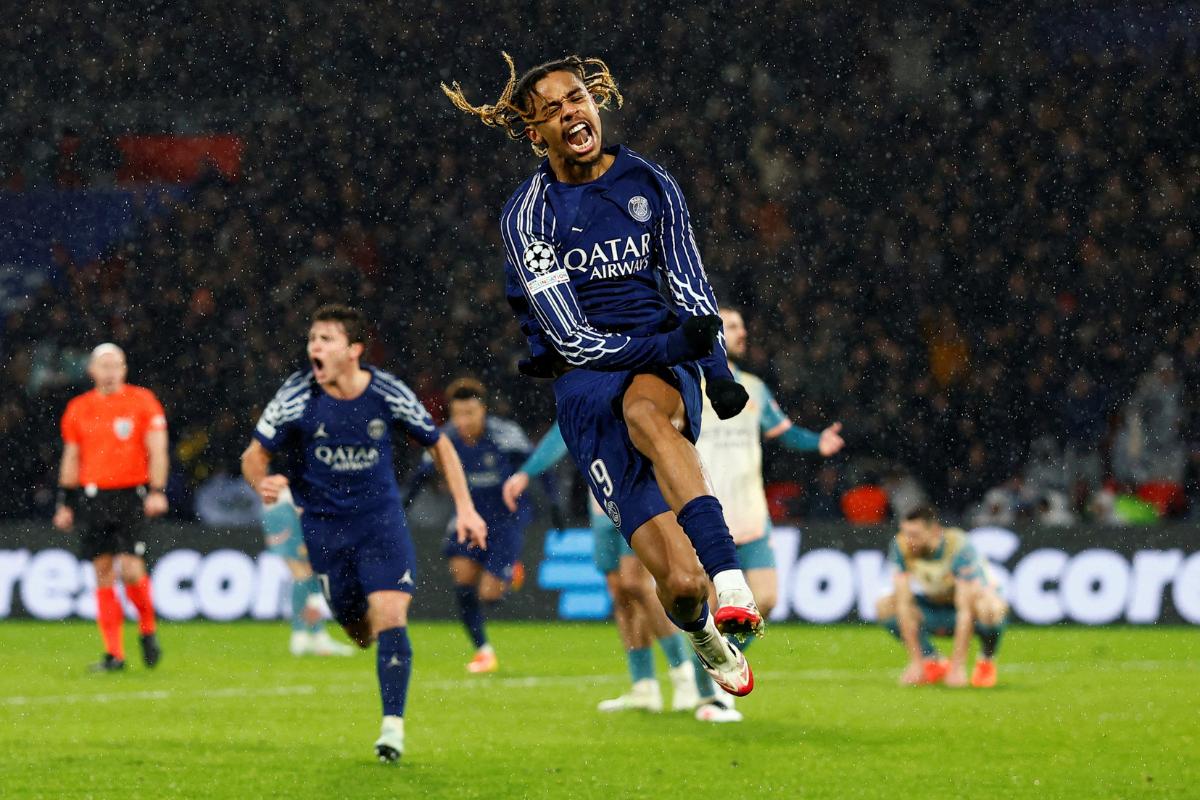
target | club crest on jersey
x=613, y=512
x=123, y=427
x=539, y=258
x=376, y=428
x=639, y=208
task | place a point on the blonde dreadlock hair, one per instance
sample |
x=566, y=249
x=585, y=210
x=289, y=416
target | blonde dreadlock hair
x=514, y=110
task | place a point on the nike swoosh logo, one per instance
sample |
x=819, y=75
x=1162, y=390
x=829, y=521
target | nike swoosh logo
x=577, y=230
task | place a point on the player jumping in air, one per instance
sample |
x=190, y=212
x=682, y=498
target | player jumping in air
x=588, y=238
x=335, y=421
x=490, y=448
x=955, y=595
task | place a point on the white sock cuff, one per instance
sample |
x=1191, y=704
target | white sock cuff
x=730, y=580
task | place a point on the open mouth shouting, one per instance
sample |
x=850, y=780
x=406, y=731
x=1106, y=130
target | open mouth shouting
x=318, y=368
x=580, y=138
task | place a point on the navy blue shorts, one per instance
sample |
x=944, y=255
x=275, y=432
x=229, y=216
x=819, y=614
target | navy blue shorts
x=621, y=478
x=503, y=549
x=353, y=556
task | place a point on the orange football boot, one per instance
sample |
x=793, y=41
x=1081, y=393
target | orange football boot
x=984, y=674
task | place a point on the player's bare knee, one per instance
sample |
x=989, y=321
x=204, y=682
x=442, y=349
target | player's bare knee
x=687, y=587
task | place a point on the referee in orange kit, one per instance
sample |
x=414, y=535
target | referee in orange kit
x=113, y=475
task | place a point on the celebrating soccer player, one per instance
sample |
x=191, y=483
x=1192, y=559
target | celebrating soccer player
x=336, y=421
x=589, y=239
x=114, y=474
x=490, y=448
x=955, y=595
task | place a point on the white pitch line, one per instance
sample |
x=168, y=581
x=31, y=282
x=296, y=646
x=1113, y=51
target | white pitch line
x=534, y=682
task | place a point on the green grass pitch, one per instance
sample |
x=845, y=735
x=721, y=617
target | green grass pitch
x=1080, y=713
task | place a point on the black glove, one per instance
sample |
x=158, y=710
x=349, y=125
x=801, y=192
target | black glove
x=694, y=339
x=546, y=366
x=728, y=397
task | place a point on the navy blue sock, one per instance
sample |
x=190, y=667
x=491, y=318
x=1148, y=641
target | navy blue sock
x=393, y=662
x=989, y=638
x=693, y=627
x=927, y=648
x=471, y=613
x=704, y=523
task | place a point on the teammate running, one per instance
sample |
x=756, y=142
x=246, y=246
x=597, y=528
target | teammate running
x=588, y=238
x=114, y=474
x=336, y=421
x=639, y=616
x=942, y=587
x=490, y=448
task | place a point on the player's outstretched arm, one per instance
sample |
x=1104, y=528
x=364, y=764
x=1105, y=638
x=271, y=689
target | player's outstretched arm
x=549, y=451
x=471, y=527
x=906, y=617
x=256, y=463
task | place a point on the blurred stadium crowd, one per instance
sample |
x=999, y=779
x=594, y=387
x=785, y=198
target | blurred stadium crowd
x=978, y=252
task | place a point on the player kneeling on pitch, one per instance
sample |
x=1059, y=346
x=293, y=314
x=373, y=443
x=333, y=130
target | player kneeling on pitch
x=337, y=421
x=942, y=588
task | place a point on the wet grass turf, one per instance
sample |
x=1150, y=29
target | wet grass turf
x=1087, y=713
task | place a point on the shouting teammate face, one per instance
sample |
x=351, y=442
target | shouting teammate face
x=568, y=120
x=330, y=352
x=735, y=332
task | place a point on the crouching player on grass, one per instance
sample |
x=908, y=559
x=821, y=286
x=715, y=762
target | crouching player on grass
x=956, y=595
x=337, y=418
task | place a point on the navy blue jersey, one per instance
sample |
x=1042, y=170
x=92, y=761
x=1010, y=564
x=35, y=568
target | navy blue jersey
x=343, y=448
x=601, y=271
x=488, y=463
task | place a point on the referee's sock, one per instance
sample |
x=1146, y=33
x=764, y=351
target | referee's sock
x=139, y=594
x=109, y=618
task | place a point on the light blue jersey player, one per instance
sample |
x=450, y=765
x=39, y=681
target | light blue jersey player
x=605, y=277
x=639, y=616
x=284, y=537
x=491, y=449
x=732, y=452
x=335, y=423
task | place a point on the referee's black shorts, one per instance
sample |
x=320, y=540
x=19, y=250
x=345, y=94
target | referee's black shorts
x=112, y=521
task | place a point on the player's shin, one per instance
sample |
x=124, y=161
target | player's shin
x=393, y=661
x=139, y=594
x=989, y=638
x=704, y=523
x=471, y=613
x=109, y=618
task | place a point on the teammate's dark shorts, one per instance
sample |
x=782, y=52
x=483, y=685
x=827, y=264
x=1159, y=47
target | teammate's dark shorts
x=353, y=556
x=620, y=477
x=504, y=541
x=112, y=521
